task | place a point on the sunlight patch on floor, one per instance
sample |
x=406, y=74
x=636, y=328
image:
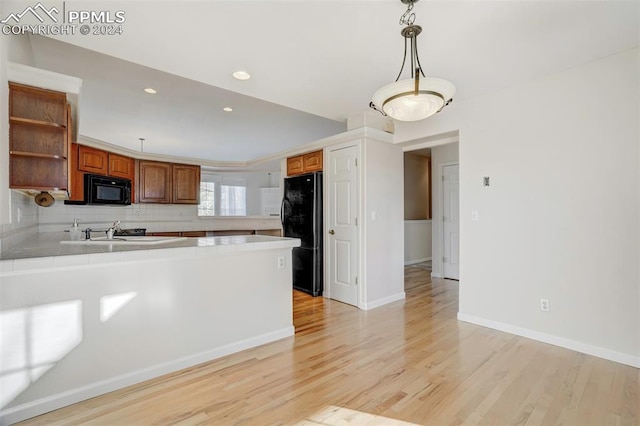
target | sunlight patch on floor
x=334, y=416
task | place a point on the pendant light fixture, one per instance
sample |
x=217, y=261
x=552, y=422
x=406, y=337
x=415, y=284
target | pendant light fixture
x=414, y=98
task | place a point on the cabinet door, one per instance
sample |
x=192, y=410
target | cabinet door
x=186, y=184
x=312, y=161
x=164, y=234
x=76, y=193
x=92, y=160
x=194, y=233
x=120, y=166
x=154, y=183
x=295, y=165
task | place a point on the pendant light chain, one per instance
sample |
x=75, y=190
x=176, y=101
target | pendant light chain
x=408, y=18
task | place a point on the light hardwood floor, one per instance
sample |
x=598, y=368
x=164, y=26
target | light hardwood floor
x=410, y=361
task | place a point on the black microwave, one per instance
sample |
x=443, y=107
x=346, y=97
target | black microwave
x=106, y=190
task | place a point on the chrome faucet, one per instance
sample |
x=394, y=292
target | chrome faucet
x=113, y=229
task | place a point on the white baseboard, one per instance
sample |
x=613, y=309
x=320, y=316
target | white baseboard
x=436, y=274
x=383, y=301
x=53, y=402
x=554, y=340
x=413, y=262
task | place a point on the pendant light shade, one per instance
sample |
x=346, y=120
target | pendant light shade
x=399, y=100
x=414, y=98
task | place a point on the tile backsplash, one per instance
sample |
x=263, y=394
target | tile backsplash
x=154, y=217
x=24, y=221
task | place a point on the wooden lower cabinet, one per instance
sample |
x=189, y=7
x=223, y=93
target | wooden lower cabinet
x=270, y=232
x=194, y=233
x=179, y=234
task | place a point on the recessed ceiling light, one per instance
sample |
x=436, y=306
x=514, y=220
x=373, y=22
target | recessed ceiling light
x=151, y=90
x=227, y=109
x=241, y=75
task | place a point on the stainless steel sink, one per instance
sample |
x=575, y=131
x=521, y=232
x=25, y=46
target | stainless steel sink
x=127, y=240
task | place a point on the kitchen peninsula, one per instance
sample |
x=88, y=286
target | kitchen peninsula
x=88, y=319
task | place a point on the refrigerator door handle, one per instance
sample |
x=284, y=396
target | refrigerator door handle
x=282, y=212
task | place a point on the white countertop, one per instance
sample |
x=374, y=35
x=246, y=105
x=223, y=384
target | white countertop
x=45, y=250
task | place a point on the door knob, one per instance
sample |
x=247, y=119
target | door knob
x=331, y=231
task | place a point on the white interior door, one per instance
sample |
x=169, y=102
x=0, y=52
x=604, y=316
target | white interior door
x=451, y=221
x=342, y=231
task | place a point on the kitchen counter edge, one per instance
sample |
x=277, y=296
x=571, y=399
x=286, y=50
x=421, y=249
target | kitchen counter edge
x=53, y=255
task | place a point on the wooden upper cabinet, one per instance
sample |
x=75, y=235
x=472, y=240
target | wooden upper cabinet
x=168, y=183
x=92, y=160
x=120, y=166
x=295, y=165
x=305, y=163
x=154, y=182
x=84, y=159
x=186, y=184
x=38, y=138
x=312, y=161
x=76, y=191
x=39, y=106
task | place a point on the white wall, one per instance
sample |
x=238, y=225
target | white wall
x=561, y=219
x=88, y=324
x=14, y=226
x=440, y=155
x=417, y=241
x=384, y=199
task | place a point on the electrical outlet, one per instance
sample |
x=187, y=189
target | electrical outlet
x=544, y=305
x=280, y=262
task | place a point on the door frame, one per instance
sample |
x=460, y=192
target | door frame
x=326, y=219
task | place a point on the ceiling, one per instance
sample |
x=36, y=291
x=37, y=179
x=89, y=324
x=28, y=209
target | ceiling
x=313, y=63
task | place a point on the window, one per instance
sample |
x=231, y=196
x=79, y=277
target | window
x=207, y=206
x=233, y=200
x=222, y=198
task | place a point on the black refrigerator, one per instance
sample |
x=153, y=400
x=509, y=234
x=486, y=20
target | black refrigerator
x=301, y=215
